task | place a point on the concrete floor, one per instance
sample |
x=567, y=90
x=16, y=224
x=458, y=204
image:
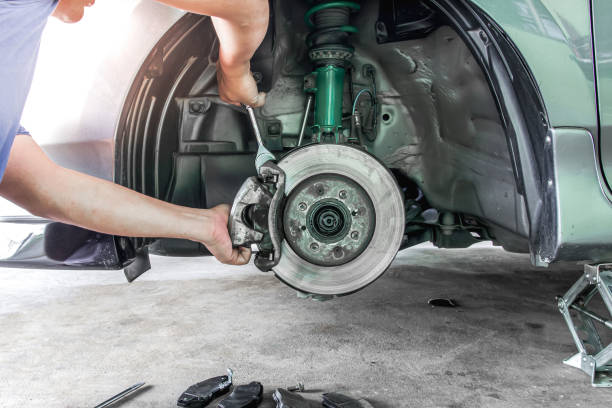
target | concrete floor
x=72, y=339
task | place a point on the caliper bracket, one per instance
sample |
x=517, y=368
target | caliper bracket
x=256, y=218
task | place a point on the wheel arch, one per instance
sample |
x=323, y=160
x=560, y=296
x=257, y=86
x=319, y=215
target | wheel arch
x=522, y=111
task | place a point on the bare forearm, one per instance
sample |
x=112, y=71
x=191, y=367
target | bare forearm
x=99, y=205
x=35, y=183
x=240, y=24
x=45, y=189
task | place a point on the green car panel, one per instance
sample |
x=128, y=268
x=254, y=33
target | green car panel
x=564, y=71
x=554, y=37
x=556, y=41
x=583, y=220
x=602, y=31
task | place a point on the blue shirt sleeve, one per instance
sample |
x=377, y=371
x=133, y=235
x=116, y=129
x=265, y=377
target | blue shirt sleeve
x=22, y=131
x=22, y=23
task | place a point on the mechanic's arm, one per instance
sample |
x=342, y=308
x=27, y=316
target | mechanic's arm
x=241, y=26
x=34, y=182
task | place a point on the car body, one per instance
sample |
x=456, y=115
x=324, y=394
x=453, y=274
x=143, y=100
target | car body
x=498, y=113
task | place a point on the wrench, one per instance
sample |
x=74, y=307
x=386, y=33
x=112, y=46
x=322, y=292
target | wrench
x=263, y=154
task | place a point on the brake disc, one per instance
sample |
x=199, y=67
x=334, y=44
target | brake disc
x=343, y=219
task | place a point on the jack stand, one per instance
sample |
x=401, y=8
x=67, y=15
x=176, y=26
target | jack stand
x=598, y=365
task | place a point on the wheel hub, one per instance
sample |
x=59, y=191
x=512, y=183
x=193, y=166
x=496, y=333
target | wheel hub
x=329, y=219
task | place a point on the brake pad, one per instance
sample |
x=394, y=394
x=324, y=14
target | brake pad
x=287, y=399
x=335, y=400
x=201, y=394
x=244, y=396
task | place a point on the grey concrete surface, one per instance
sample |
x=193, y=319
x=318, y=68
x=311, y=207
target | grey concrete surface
x=74, y=338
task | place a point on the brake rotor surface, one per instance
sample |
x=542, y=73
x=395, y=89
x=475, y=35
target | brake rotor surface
x=343, y=219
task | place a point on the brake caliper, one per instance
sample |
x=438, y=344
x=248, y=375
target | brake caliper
x=256, y=216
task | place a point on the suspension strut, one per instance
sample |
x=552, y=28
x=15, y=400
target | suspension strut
x=330, y=52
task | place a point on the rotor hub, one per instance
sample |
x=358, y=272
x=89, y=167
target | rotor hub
x=329, y=219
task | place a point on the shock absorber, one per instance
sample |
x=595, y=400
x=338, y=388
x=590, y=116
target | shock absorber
x=330, y=52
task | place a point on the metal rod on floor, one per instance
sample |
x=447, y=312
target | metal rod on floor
x=119, y=396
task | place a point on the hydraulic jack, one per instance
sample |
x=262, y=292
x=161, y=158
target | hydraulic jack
x=592, y=357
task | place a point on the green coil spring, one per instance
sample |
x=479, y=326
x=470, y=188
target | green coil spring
x=327, y=5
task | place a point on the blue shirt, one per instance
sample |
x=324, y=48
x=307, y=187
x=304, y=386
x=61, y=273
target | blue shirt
x=21, y=26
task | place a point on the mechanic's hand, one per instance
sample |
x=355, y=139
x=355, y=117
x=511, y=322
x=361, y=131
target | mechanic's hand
x=237, y=86
x=218, y=240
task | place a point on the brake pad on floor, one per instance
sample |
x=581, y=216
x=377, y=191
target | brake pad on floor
x=201, y=394
x=287, y=399
x=335, y=400
x=243, y=396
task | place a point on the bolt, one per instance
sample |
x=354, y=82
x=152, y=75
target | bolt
x=309, y=83
x=197, y=107
x=342, y=194
x=338, y=252
x=302, y=206
x=314, y=246
x=296, y=388
x=484, y=37
x=274, y=128
x=355, y=235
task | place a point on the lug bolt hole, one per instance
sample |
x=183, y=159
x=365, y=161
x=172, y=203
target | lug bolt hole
x=302, y=206
x=338, y=252
x=314, y=246
x=386, y=117
x=342, y=194
x=355, y=235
